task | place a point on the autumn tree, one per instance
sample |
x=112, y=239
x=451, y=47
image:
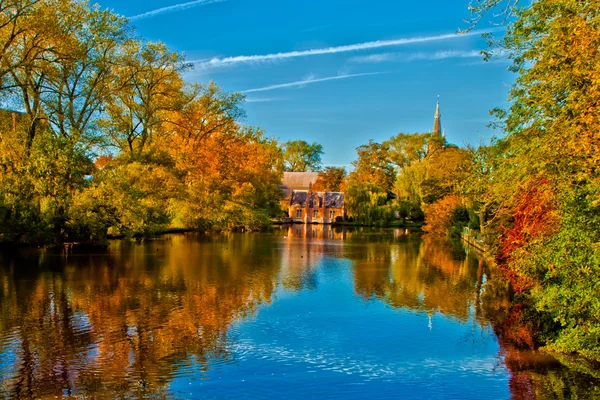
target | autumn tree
x=331, y=179
x=56, y=72
x=373, y=166
x=168, y=154
x=543, y=174
x=17, y=20
x=300, y=156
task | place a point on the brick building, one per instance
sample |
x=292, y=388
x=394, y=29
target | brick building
x=304, y=205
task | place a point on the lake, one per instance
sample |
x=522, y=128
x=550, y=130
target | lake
x=299, y=312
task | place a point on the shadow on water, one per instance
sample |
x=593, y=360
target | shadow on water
x=131, y=320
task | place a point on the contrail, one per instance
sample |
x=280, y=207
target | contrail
x=216, y=62
x=308, y=81
x=176, y=7
x=440, y=55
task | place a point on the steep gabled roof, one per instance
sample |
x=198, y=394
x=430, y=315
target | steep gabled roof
x=331, y=199
x=334, y=200
x=299, y=180
x=299, y=198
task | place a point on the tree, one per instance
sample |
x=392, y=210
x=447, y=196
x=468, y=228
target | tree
x=405, y=149
x=175, y=155
x=373, y=166
x=300, y=156
x=17, y=19
x=331, y=179
x=543, y=179
x=147, y=86
x=211, y=111
x=368, y=204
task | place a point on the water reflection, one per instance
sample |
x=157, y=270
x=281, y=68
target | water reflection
x=138, y=318
x=121, y=322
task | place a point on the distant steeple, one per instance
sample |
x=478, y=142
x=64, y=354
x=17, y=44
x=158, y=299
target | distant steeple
x=437, y=122
x=437, y=138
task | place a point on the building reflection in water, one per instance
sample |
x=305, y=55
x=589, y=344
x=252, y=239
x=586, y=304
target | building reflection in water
x=128, y=320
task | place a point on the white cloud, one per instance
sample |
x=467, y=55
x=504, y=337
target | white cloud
x=218, y=62
x=174, y=8
x=375, y=58
x=440, y=55
x=308, y=81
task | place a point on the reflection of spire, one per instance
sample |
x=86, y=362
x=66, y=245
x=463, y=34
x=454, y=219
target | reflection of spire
x=430, y=324
x=437, y=122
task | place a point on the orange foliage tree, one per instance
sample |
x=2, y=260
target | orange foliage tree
x=438, y=215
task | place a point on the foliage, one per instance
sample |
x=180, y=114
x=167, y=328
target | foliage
x=409, y=209
x=412, y=171
x=331, y=179
x=369, y=205
x=373, y=167
x=405, y=149
x=562, y=269
x=300, y=156
x=440, y=215
x=539, y=183
x=458, y=221
x=167, y=154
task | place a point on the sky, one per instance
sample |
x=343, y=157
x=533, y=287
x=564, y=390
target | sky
x=336, y=72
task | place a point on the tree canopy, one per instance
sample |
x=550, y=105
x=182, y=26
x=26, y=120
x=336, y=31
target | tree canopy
x=112, y=140
x=331, y=179
x=539, y=181
x=300, y=156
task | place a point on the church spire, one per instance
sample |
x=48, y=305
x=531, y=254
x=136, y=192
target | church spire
x=437, y=123
x=436, y=140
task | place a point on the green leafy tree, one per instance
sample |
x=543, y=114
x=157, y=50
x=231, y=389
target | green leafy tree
x=405, y=149
x=300, y=156
x=147, y=86
x=368, y=204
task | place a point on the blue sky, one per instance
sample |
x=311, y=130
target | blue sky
x=338, y=72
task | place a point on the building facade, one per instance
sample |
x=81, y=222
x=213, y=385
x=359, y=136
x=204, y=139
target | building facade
x=304, y=205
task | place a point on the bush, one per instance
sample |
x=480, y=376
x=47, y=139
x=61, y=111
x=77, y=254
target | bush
x=439, y=215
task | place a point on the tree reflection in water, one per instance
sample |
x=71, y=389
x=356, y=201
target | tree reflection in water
x=123, y=322
x=129, y=320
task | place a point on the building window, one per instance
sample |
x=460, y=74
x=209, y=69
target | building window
x=299, y=213
x=331, y=214
x=316, y=214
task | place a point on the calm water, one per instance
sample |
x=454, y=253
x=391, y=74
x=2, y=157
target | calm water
x=303, y=312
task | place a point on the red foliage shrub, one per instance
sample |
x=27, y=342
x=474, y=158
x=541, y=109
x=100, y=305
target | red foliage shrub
x=533, y=217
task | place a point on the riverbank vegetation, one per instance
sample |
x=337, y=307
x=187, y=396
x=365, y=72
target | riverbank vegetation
x=101, y=134
x=538, y=184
